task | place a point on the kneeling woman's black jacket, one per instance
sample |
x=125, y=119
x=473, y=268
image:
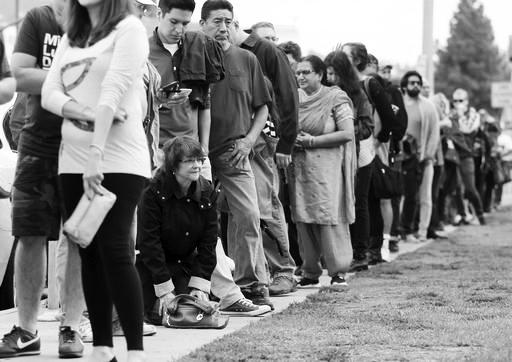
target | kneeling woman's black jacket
x=172, y=227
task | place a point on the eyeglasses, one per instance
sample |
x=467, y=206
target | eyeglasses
x=414, y=82
x=192, y=161
x=305, y=72
x=459, y=100
x=272, y=38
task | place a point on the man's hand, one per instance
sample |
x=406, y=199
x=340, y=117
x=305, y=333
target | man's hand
x=283, y=160
x=199, y=294
x=242, y=149
x=174, y=98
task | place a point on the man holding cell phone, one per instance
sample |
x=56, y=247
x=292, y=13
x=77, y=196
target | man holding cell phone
x=185, y=108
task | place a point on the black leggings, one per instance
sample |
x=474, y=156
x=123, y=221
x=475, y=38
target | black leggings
x=109, y=275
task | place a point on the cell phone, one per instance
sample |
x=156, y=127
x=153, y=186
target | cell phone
x=173, y=87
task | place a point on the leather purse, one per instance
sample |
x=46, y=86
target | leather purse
x=187, y=311
x=83, y=224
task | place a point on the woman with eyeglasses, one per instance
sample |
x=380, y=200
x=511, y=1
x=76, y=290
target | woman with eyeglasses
x=322, y=175
x=177, y=234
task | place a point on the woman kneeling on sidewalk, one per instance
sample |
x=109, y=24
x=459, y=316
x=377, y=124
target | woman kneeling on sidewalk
x=177, y=236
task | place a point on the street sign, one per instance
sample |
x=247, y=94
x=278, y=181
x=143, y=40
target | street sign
x=501, y=94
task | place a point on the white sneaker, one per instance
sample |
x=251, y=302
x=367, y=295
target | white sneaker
x=410, y=238
x=85, y=330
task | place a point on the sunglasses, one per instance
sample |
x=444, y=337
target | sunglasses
x=305, y=72
x=459, y=100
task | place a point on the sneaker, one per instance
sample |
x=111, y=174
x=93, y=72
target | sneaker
x=85, y=330
x=245, y=308
x=282, y=284
x=410, y=238
x=147, y=329
x=258, y=295
x=309, y=283
x=338, y=281
x=393, y=244
x=70, y=343
x=481, y=219
x=358, y=265
x=19, y=342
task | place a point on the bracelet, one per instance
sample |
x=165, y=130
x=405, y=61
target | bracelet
x=95, y=146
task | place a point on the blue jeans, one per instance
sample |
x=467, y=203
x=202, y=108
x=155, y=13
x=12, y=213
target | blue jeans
x=275, y=239
x=245, y=244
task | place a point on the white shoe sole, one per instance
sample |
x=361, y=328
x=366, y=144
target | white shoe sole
x=261, y=310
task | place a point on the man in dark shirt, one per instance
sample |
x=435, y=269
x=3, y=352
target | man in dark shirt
x=35, y=203
x=239, y=112
x=7, y=82
x=275, y=67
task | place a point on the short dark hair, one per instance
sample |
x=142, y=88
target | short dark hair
x=359, y=55
x=167, y=5
x=292, y=48
x=178, y=149
x=79, y=27
x=407, y=75
x=372, y=59
x=212, y=5
x=348, y=79
x=318, y=66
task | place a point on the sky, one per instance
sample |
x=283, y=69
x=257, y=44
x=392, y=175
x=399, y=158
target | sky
x=391, y=29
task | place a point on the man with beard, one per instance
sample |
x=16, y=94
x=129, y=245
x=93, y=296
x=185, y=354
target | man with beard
x=420, y=146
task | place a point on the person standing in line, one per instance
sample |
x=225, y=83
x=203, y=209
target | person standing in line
x=423, y=139
x=265, y=30
x=293, y=53
x=239, y=111
x=340, y=72
x=283, y=115
x=96, y=84
x=35, y=200
x=381, y=212
x=467, y=120
x=396, y=97
x=322, y=175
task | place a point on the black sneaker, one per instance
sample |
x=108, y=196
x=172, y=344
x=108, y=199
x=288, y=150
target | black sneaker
x=309, y=283
x=393, y=244
x=258, y=295
x=19, y=342
x=245, y=308
x=357, y=265
x=70, y=343
x=481, y=219
x=338, y=281
x=376, y=259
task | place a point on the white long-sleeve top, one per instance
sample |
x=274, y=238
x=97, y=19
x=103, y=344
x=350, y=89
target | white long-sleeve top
x=108, y=73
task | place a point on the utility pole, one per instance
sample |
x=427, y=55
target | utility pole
x=17, y=14
x=428, y=41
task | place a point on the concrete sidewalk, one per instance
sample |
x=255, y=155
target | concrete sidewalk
x=169, y=344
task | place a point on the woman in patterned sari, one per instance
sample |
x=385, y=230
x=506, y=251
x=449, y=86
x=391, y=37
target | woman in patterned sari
x=322, y=175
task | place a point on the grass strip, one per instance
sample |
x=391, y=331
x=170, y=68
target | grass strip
x=450, y=300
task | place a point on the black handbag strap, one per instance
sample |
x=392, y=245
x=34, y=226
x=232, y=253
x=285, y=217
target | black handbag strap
x=205, y=307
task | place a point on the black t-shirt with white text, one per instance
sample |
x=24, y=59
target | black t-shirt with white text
x=39, y=37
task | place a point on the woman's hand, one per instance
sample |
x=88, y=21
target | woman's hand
x=165, y=302
x=304, y=140
x=199, y=294
x=93, y=177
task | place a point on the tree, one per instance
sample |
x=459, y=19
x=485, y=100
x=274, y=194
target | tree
x=470, y=60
